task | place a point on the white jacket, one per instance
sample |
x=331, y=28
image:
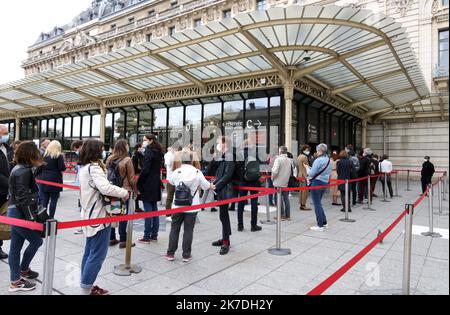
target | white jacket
x=191, y=177
x=91, y=186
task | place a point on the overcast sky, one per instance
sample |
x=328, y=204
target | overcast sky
x=21, y=22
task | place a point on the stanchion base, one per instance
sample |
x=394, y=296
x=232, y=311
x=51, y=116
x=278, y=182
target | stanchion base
x=385, y=200
x=408, y=190
x=124, y=270
x=439, y=213
x=268, y=222
x=280, y=251
x=369, y=209
x=347, y=220
x=432, y=234
x=398, y=196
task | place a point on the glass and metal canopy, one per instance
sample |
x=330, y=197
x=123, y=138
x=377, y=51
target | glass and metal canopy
x=362, y=58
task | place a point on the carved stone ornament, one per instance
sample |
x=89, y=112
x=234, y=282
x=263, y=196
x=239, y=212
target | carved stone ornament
x=435, y=7
x=402, y=6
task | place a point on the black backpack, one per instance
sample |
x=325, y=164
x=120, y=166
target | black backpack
x=251, y=170
x=183, y=196
x=114, y=174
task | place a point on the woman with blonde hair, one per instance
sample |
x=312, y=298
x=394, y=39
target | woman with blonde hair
x=52, y=171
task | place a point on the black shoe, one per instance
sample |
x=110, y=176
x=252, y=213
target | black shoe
x=29, y=275
x=217, y=243
x=256, y=228
x=3, y=255
x=232, y=209
x=224, y=249
x=240, y=228
x=213, y=210
x=342, y=210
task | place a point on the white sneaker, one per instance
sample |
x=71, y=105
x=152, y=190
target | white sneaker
x=317, y=229
x=77, y=232
x=326, y=226
x=169, y=219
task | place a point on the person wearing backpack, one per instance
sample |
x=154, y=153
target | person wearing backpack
x=374, y=170
x=364, y=171
x=187, y=179
x=121, y=174
x=248, y=172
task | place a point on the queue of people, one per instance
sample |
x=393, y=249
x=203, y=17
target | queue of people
x=104, y=184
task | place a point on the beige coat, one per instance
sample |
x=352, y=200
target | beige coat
x=91, y=186
x=281, y=171
x=301, y=161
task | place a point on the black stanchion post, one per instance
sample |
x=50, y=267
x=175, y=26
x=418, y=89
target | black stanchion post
x=49, y=256
x=407, y=250
x=431, y=232
x=127, y=269
x=278, y=251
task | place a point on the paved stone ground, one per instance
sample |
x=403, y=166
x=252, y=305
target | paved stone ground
x=250, y=270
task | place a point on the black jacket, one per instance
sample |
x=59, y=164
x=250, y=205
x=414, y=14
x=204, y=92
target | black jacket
x=427, y=171
x=345, y=170
x=224, y=177
x=138, y=161
x=149, y=183
x=23, y=189
x=51, y=171
x=5, y=169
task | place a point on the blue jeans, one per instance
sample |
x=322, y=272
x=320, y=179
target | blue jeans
x=94, y=255
x=122, y=229
x=151, y=224
x=18, y=237
x=285, y=204
x=317, y=195
x=52, y=198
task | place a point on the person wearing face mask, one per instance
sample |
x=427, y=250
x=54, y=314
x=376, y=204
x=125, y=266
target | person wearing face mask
x=303, y=166
x=138, y=160
x=224, y=188
x=6, y=160
x=426, y=173
x=149, y=185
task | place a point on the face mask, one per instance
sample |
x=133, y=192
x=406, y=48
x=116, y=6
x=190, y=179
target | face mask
x=219, y=147
x=104, y=155
x=307, y=152
x=425, y=160
x=4, y=139
x=145, y=144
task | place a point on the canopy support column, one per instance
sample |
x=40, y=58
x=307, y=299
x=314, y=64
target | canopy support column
x=102, y=121
x=17, y=128
x=288, y=97
x=364, y=133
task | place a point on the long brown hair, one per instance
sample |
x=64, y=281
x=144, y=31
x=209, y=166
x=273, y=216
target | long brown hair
x=155, y=143
x=91, y=152
x=120, y=151
x=28, y=154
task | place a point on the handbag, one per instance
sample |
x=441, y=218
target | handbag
x=5, y=229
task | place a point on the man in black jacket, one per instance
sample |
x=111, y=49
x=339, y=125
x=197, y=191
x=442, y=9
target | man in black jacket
x=248, y=171
x=427, y=173
x=224, y=189
x=364, y=170
x=6, y=157
x=346, y=171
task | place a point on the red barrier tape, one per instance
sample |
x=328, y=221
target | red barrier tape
x=339, y=273
x=22, y=223
x=322, y=287
x=57, y=185
x=146, y=215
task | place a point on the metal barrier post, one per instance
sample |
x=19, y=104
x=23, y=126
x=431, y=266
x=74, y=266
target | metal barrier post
x=441, y=196
x=396, y=185
x=347, y=204
x=385, y=188
x=49, y=256
x=278, y=251
x=369, y=202
x=445, y=182
x=407, y=181
x=407, y=250
x=268, y=220
x=127, y=269
x=430, y=204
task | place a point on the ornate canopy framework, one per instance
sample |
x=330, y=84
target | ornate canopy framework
x=353, y=59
